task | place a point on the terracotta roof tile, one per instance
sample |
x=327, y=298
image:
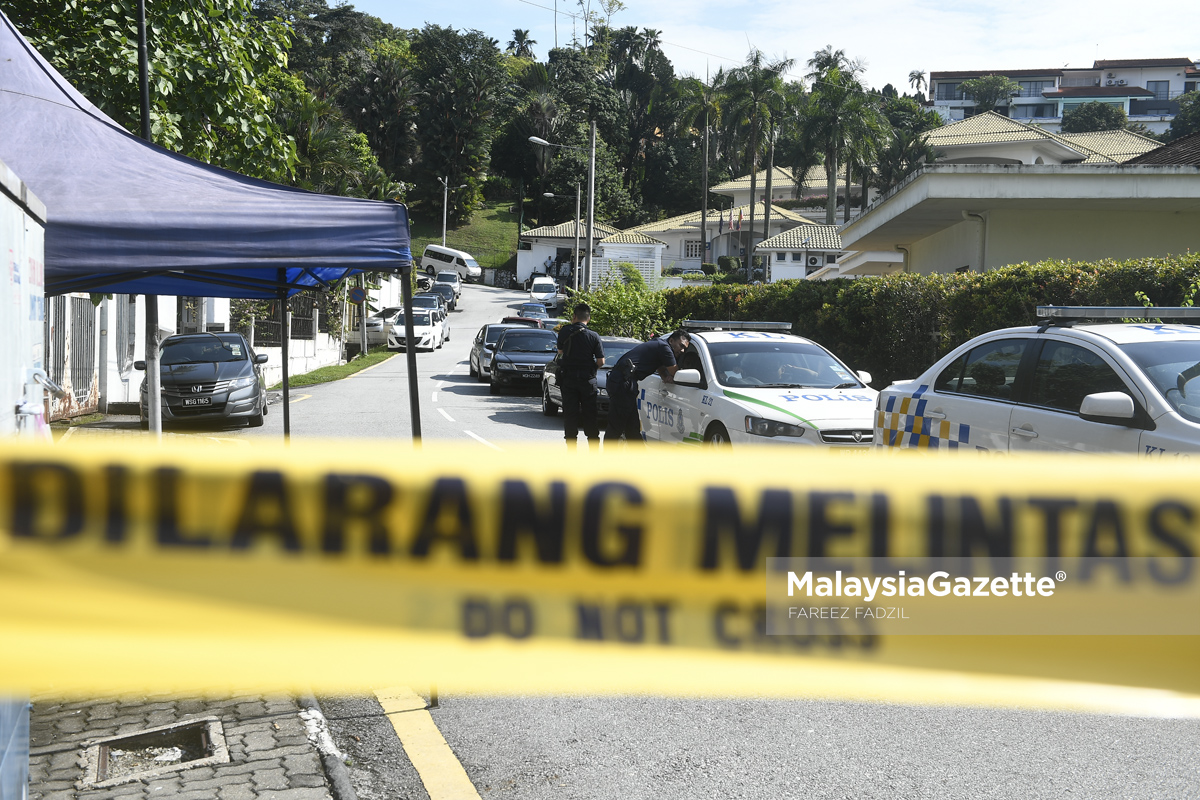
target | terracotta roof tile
x=566, y=230
x=630, y=237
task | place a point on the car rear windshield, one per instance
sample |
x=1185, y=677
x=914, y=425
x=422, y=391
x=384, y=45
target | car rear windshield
x=425, y=302
x=202, y=351
x=418, y=320
x=493, y=334
x=529, y=342
x=448, y=277
x=1173, y=368
x=778, y=364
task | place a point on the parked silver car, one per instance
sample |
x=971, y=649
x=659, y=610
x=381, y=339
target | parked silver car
x=208, y=376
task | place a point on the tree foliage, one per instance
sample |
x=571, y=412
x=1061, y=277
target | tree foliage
x=1094, y=116
x=1187, y=119
x=207, y=60
x=990, y=91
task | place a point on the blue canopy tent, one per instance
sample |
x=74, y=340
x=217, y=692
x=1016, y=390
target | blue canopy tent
x=130, y=217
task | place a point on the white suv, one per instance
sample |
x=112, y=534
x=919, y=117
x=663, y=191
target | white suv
x=1103, y=388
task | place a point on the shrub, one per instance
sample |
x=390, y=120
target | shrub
x=895, y=326
x=708, y=269
x=624, y=309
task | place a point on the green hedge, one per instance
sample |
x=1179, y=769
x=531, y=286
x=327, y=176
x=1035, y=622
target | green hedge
x=895, y=326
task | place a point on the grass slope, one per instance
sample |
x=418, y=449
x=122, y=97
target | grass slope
x=490, y=236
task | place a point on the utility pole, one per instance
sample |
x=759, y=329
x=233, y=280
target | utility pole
x=575, y=261
x=153, y=378
x=591, y=217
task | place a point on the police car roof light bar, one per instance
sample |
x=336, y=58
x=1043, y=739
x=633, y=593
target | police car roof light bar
x=1068, y=313
x=734, y=325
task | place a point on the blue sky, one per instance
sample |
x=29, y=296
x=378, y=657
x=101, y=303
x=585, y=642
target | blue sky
x=891, y=37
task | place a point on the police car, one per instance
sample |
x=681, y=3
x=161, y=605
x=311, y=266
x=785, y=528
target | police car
x=1061, y=386
x=752, y=383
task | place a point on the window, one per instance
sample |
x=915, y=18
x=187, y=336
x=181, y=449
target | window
x=1189, y=86
x=693, y=248
x=948, y=91
x=797, y=256
x=830, y=258
x=1034, y=88
x=1161, y=89
x=1066, y=373
x=780, y=258
x=1034, y=110
x=988, y=370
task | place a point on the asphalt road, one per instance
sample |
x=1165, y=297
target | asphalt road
x=374, y=404
x=630, y=748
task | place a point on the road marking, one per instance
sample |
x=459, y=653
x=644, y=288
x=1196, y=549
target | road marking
x=444, y=414
x=435, y=397
x=368, y=369
x=66, y=435
x=295, y=400
x=436, y=764
x=483, y=441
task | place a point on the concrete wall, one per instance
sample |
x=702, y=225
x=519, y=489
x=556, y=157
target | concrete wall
x=22, y=255
x=1013, y=236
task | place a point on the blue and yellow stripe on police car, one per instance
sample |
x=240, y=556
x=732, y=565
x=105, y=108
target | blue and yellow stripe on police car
x=907, y=425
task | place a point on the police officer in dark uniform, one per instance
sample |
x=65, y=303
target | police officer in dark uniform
x=580, y=354
x=657, y=355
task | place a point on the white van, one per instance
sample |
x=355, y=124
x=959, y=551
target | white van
x=436, y=258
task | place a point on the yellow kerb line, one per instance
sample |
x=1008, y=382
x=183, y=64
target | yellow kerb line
x=440, y=770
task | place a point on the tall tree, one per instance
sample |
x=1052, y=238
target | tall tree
x=989, y=91
x=703, y=106
x=916, y=79
x=839, y=113
x=521, y=45
x=756, y=100
x=206, y=60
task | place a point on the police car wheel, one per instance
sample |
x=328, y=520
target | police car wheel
x=717, y=436
x=548, y=407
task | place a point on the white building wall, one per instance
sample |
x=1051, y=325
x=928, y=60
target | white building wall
x=1014, y=236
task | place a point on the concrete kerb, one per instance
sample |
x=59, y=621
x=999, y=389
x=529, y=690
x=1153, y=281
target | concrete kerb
x=332, y=760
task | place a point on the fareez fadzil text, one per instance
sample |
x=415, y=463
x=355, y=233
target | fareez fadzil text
x=938, y=584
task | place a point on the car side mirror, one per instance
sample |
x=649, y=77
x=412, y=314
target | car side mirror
x=139, y=365
x=260, y=358
x=688, y=377
x=864, y=376
x=1107, y=407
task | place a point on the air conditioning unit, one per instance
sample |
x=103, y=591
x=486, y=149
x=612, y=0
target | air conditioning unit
x=1110, y=83
x=814, y=261
x=1121, y=82
x=1110, y=74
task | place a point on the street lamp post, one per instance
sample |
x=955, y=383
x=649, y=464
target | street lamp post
x=591, y=218
x=575, y=260
x=445, y=182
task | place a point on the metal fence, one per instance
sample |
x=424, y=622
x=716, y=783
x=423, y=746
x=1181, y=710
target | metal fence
x=303, y=316
x=83, y=347
x=56, y=341
x=268, y=330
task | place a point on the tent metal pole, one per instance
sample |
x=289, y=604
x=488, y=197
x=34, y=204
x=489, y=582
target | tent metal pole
x=283, y=338
x=410, y=353
x=153, y=378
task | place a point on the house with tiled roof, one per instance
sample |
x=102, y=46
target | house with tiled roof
x=992, y=138
x=1146, y=89
x=1185, y=150
x=727, y=233
x=551, y=248
x=800, y=252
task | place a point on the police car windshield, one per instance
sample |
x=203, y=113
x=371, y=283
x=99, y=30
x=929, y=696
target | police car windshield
x=1174, y=369
x=529, y=342
x=777, y=364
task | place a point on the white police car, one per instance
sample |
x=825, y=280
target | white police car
x=1064, y=387
x=749, y=383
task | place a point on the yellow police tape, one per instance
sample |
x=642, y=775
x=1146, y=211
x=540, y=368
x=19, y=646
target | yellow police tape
x=351, y=565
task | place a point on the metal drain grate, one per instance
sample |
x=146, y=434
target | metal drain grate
x=152, y=752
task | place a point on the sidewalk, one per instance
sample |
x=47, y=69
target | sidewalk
x=265, y=748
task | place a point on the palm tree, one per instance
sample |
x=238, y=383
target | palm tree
x=521, y=45
x=703, y=103
x=756, y=99
x=916, y=79
x=840, y=114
